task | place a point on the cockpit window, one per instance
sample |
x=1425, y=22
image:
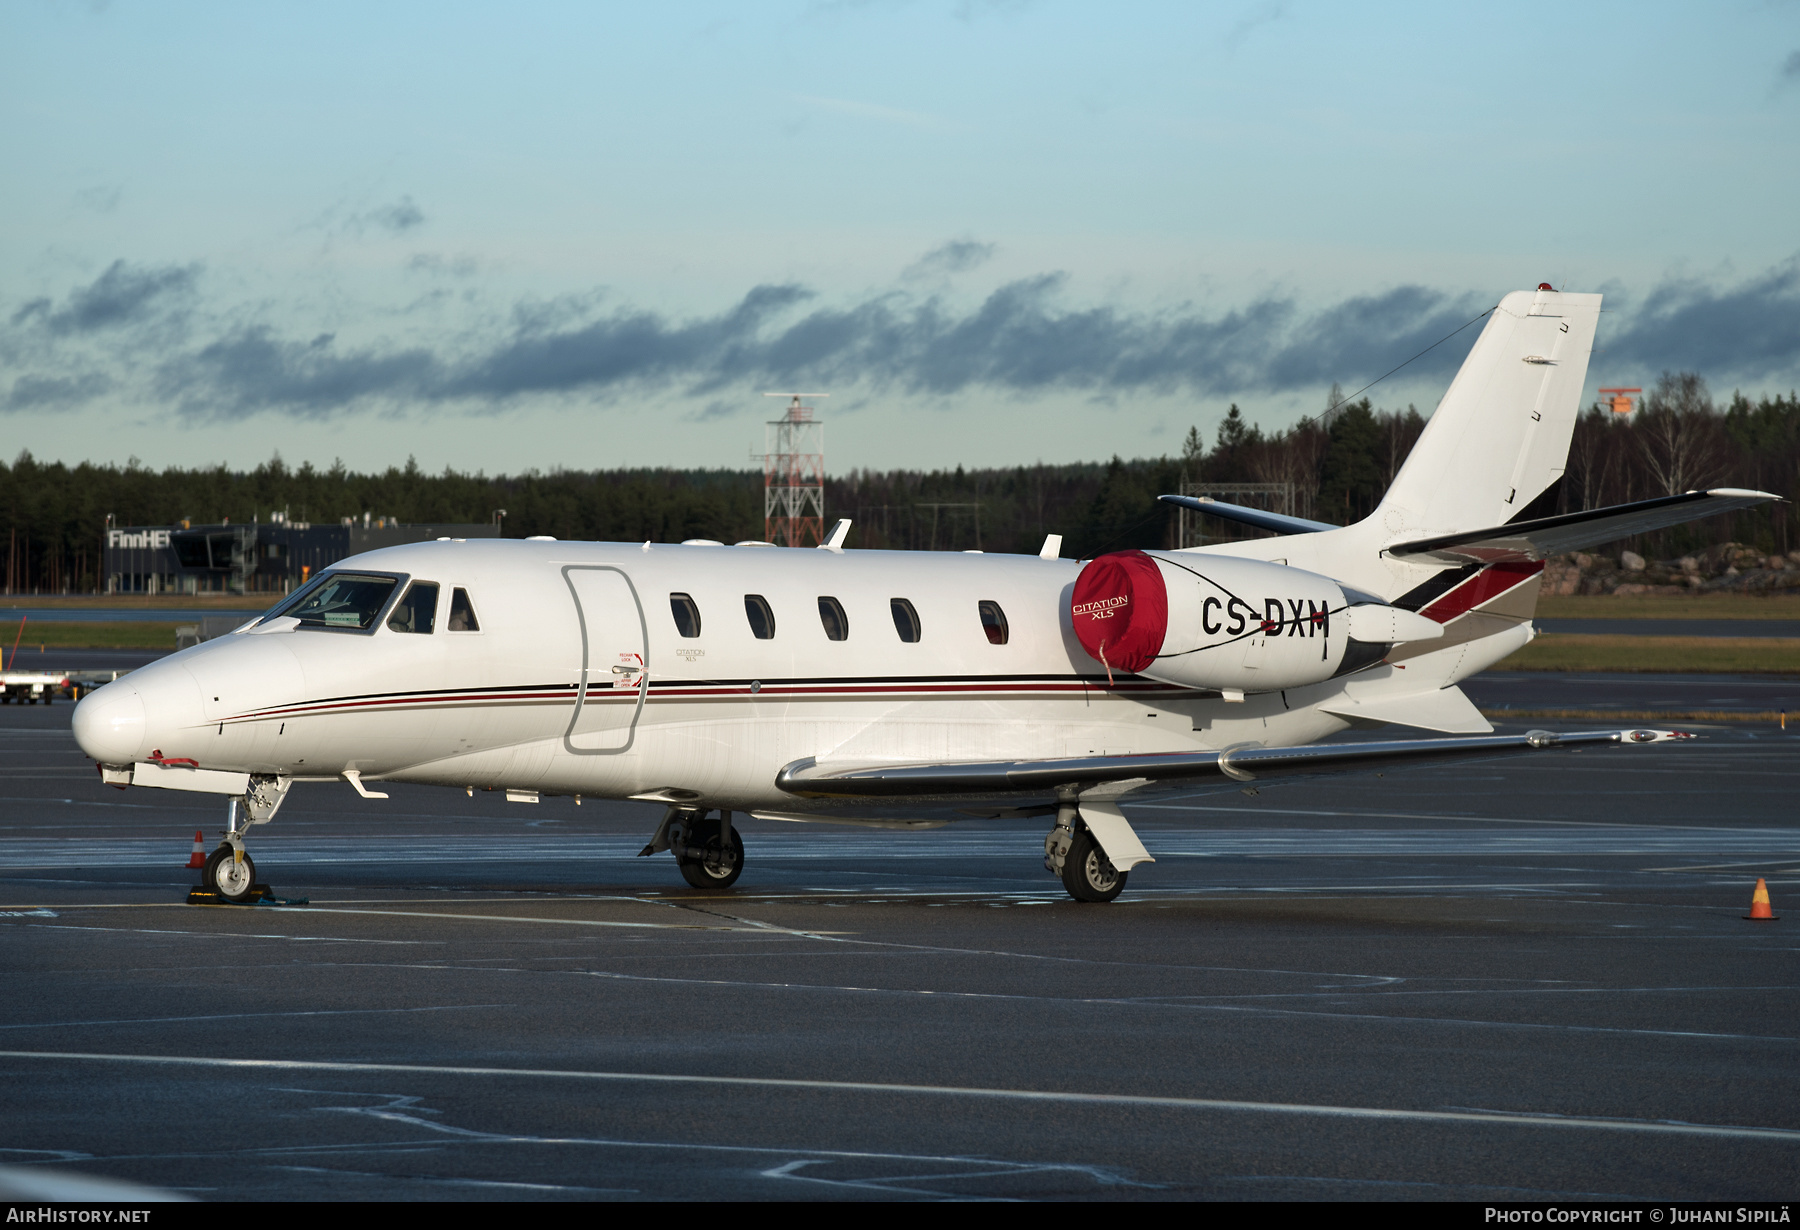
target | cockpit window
x=347, y=600
x=417, y=611
x=462, y=613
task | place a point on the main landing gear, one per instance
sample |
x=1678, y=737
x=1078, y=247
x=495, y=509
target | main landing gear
x=230, y=872
x=1072, y=855
x=708, y=850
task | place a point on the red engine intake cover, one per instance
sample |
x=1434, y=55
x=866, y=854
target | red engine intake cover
x=1121, y=610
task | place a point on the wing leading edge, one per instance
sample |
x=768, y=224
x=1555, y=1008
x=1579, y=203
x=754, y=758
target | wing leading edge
x=1281, y=523
x=809, y=779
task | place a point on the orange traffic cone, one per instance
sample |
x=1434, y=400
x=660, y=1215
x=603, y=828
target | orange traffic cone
x=198, y=857
x=1759, y=904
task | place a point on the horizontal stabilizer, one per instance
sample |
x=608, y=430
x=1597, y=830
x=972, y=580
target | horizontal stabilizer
x=1547, y=536
x=1278, y=522
x=809, y=779
x=1443, y=709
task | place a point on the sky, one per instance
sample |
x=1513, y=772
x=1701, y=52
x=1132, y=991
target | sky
x=501, y=238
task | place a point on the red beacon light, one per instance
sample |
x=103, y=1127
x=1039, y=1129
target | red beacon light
x=1545, y=286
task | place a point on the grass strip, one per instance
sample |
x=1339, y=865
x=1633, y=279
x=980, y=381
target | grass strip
x=125, y=634
x=1771, y=716
x=224, y=603
x=1669, y=606
x=1706, y=655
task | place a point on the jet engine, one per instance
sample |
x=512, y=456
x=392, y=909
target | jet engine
x=1225, y=624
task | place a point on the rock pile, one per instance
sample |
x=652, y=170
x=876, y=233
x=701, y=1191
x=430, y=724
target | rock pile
x=1729, y=567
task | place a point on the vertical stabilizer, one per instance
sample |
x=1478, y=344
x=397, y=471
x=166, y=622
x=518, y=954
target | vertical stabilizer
x=1495, y=449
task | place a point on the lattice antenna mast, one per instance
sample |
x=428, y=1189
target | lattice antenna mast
x=794, y=476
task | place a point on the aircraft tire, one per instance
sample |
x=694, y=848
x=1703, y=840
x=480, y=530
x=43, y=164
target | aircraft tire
x=1086, y=873
x=224, y=878
x=708, y=872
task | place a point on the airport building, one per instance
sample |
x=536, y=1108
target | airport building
x=268, y=557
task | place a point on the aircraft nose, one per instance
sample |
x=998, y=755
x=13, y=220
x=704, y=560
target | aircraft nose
x=109, y=724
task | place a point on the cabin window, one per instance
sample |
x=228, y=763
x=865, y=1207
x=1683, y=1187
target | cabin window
x=687, y=614
x=417, y=611
x=906, y=620
x=837, y=624
x=993, y=622
x=346, y=600
x=462, y=613
x=762, y=619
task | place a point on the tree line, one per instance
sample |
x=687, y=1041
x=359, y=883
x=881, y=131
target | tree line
x=1337, y=465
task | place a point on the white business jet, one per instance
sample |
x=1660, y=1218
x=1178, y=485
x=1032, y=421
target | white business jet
x=907, y=689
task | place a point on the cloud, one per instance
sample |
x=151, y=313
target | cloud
x=402, y=215
x=442, y=266
x=102, y=198
x=957, y=256
x=252, y=370
x=1022, y=339
x=1027, y=338
x=629, y=346
x=351, y=218
x=1747, y=331
x=123, y=295
x=53, y=392
x=1260, y=15
x=1790, y=68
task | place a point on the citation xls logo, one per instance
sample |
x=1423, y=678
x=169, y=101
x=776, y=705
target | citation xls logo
x=1102, y=609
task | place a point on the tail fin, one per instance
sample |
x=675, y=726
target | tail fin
x=1495, y=449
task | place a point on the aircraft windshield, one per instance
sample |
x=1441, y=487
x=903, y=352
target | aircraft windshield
x=339, y=600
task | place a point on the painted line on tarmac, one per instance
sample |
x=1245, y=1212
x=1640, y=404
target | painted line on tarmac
x=1176, y=1003
x=554, y=922
x=228, y=935
x=1301, y=1109
x=237, y=1016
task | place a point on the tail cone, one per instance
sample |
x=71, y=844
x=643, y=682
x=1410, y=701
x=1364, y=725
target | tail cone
x=198, y=858
x=1759, y=904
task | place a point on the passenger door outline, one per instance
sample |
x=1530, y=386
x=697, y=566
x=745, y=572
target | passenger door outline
x=589, y=665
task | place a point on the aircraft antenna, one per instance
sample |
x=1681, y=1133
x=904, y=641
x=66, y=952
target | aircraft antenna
x=794, y=475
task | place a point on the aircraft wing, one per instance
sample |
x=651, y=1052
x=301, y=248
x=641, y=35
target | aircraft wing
x=809, y=778
x=1279, y=522
x=1546, y=536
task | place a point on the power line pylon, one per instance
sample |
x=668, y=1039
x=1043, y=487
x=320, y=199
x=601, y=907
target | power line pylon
x=794, y=476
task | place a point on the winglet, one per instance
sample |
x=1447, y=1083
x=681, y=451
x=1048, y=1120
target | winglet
x=839, y=532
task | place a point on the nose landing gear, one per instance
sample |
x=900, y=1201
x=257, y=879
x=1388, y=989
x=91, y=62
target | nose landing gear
x=230, y=872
